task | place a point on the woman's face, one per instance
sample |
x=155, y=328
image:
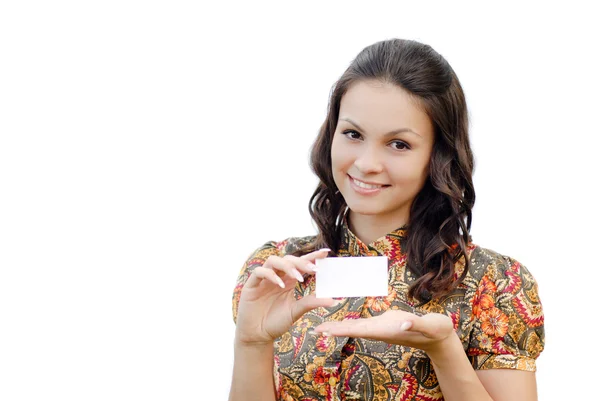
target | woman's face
x=381, y=150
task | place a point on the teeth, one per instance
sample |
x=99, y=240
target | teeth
x=366, y=186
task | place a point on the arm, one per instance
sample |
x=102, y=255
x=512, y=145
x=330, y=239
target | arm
x=503, y=351
x=434, y=334
x=265, y=308
x=460, y=382
x=252, y=373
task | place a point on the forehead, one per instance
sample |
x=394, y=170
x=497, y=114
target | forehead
x=381, y=107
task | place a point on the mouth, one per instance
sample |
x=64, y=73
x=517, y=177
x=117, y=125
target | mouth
x=366, y=187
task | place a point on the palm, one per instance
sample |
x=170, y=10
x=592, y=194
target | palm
x=425, y=332
x=266, y=310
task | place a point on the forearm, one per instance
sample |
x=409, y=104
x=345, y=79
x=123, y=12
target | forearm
x=252, y=373
x=456, y=376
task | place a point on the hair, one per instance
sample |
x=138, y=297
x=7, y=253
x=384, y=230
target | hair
x=440, y=215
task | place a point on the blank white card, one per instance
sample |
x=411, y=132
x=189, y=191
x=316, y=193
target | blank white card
x=343, y=277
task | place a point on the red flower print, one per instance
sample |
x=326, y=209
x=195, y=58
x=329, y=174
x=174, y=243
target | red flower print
x=321, y=377
x=323, y=343
x=485, y=342
x=494, y=322
x=380, y=304
x=389, y=246
x=483, y=298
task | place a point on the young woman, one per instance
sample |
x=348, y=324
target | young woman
x=460, y=322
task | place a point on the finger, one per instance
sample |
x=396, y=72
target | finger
x=262, y=273
x=397, y=320
x=407, y=325
x=310, y=302
x=302, y=265
x=283, y=265
x=393, y=323
x=319, y=254
x=363, y=328
x=428, y=325
x=384, y=327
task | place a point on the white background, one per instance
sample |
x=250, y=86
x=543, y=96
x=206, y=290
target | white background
x=148, y=147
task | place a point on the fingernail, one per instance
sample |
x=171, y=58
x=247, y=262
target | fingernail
x=324, y=249
x=405, y=326
x=313, y=267
x=336, y=302
x=280, y=281
x=299, y=276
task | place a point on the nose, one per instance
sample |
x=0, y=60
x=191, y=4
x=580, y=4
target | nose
x=368, y=161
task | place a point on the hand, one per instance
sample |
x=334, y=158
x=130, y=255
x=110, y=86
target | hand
x=267, y=306
x=427, y=332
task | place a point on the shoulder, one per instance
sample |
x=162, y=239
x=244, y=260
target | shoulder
x=507, y=318
x=287, y=246
x=507, y=281
x=495, y=266
x=295, y=244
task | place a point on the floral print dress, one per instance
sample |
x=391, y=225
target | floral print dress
x=496, y=312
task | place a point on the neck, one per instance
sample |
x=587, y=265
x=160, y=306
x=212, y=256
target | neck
x=369, y=228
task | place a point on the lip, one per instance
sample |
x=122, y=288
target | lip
x=367, y=182
x=365, y=191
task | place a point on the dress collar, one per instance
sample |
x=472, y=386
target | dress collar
x=390, y=245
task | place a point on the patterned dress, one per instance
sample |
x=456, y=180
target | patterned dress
x=496, y=312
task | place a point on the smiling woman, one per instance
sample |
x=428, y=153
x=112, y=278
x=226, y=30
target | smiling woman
x=378, y=169
x=395, y=165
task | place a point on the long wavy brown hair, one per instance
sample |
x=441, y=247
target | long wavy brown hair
x=440, y=215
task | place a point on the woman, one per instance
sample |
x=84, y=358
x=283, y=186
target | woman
x=395, y=167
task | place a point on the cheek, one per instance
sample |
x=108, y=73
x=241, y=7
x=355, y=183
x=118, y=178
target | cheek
x=340, y=157
x=410, y=172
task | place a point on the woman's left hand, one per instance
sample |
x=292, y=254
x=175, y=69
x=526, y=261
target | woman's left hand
x=426, y=332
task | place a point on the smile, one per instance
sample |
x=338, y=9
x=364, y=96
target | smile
x=366, y=188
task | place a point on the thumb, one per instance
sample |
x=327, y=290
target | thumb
x=310, y=302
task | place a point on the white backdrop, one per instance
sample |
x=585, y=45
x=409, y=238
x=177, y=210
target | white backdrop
x=148, y=147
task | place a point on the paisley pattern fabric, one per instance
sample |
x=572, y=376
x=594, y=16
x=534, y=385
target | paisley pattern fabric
x=496, y=312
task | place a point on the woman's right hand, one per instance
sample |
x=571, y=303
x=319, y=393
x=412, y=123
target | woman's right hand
x=268, y=306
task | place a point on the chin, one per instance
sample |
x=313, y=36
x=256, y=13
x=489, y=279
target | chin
x=367, y=210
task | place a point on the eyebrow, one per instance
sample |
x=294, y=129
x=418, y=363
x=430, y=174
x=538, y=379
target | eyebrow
x=391, y=133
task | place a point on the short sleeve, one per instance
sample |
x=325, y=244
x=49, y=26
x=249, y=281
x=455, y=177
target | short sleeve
x=257, y=258
x=508, y=320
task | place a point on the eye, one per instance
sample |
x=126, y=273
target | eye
x=400, y=145
x=350, y=133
